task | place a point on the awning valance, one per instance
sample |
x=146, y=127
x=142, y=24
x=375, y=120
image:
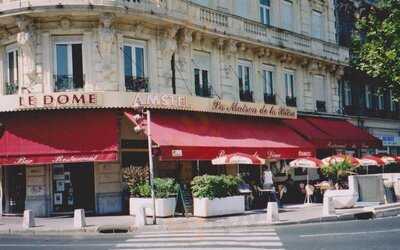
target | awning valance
x=199, y=136
x=333, y=133
x=47, y=137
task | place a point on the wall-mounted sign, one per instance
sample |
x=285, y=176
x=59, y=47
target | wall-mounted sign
x=59, y=100
x=389, y=140
x=150, y=100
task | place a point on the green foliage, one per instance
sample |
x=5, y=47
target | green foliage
x=215, y=186
x=337, y=171
x=134, y=177
x=163, y=188
x=377, y=51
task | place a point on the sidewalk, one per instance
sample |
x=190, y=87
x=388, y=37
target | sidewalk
x=294, y=214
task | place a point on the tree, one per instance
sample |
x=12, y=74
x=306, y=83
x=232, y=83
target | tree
x=376, y=48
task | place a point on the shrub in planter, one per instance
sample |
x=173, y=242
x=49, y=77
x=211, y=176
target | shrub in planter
x=216, y=195
x=165, y=192
x=215, y=186
x=338, y=171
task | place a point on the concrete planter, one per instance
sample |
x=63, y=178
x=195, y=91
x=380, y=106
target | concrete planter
x=204, y=207
x=165, y=207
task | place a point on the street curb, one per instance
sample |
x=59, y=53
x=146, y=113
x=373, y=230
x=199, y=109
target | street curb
x=378, y=212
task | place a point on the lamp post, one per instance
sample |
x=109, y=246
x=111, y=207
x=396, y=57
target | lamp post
x=139, y=117
x=153, y=197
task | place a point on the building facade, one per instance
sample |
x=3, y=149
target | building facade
x=63, y=64
x=360, y=98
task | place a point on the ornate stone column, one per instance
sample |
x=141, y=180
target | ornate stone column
x=106, y=50
x=26, y=39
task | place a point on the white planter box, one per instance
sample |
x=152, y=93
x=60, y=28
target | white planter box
x=204, y=207
x=164, y=207
x=342, y=198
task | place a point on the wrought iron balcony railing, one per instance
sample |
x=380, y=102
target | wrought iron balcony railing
x=204, y=91
x=321, y=106
x=67, y=83
x=291, y=101
x=246, y=96
x=269, y=99
x=136, y=84
x=11, y=88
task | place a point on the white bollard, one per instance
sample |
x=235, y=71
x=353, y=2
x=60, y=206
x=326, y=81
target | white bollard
x=328, y=208
x=272, y=212
x=28, y=220
x=79, y=218
x=140, y=216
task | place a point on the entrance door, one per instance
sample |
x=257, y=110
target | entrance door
x=73, y=187
x=14, y=189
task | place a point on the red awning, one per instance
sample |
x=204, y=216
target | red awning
x=333, y=133
x=199, y=136
x=32, y=138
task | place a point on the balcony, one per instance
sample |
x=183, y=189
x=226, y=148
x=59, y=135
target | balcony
x=67, y=83
x=269, y=99
x=321, y=106
x=136, y=84
x=291, y=101
x=11, y=88
x=353, y=110
x=204, y=91
x=186, y=12
x=246, y=96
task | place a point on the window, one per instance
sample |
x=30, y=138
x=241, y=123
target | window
x=381, y=101
x=347, y=94
x=265, y=7
x=201, y=68
x=135, y=67
x=393, y=103
x=268, y=80
x=319, y=92
x=368, y=97
x=340, y=94
x=244, y=77
x=289, y=84
x=316, y=24
x=12, y=70
x=68, y=71
x=287, y=15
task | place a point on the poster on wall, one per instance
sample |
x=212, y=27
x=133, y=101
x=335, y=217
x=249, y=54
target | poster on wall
x=70, y=200
x=67, y=177
x=58, y=199
x=60, y=187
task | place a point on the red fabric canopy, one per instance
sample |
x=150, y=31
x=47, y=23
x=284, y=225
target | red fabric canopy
x=333, y=133
x=309, y=131
x=58, y=137
x=200, y=136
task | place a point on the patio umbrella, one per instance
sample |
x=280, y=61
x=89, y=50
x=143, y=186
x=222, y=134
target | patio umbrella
x=370, y=160
x=238, y=158
x=307, y=163
x=341, y=158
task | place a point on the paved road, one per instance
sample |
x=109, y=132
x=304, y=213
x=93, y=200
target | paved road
x=366, y=235
x=237, y=239
x=379, y=234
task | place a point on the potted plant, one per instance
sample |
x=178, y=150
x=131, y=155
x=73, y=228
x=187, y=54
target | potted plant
x=216, y=195
x=140, y=191
x=338, y=172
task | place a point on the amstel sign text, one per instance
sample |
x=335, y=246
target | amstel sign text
x=149, y=100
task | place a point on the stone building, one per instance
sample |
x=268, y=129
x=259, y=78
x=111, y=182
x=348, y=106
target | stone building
x=360, y=99
x=71, y=71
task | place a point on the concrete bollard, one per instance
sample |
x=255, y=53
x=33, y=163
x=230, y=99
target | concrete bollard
x=28, y=220
x=79, y=218
x=272, y=212
x=328, y=208
x=140, y=216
